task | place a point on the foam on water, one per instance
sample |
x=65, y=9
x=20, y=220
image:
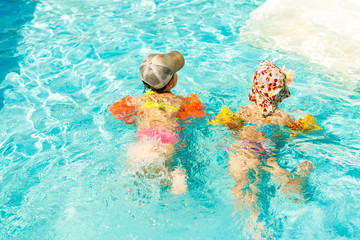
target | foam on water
x=326, y=32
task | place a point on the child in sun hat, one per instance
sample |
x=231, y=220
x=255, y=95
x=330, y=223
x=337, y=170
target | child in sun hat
x=157, y=115
x=261, y=128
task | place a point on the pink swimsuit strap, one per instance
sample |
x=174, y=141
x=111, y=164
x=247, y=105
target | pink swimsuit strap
x=162, y=135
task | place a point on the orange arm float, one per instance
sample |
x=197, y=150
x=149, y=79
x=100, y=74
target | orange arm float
x=192, y=107
x=124, y=109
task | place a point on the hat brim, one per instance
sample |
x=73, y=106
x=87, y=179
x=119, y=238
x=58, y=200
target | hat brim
x=175, y=60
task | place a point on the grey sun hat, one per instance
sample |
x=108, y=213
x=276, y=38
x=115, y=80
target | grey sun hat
x=157, y=69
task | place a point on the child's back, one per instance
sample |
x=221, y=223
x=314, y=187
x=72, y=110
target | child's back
x=253, y=120
x=157, y=117
x=158, y=111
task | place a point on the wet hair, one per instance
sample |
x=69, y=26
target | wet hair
x=161, y=90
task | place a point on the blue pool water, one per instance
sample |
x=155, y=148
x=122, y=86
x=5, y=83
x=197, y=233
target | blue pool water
x=62, y=168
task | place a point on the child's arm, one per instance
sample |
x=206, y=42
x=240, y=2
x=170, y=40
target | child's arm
x=124, y=109
x=304, y=124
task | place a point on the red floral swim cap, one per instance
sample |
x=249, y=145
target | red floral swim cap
x=269, y=87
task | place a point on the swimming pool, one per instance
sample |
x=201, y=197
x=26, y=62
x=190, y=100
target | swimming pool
x=62, y=153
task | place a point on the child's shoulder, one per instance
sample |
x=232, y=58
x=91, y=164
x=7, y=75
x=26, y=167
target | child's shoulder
x=250, y=114
x=166, y=98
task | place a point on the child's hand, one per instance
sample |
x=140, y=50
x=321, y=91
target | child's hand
x=304, y=124
x=233, y=125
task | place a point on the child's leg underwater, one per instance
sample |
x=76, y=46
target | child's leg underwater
x=290, y=182
x=178, y=181
x=266, y=151
x=244, y=167
x=151, y=157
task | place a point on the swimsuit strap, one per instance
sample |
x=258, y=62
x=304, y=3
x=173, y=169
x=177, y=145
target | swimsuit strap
x=149, y=92
x=150, y=104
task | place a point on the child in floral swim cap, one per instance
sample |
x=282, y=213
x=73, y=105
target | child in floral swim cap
x=262, y=120
x=260, y=133
x=157, y=115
